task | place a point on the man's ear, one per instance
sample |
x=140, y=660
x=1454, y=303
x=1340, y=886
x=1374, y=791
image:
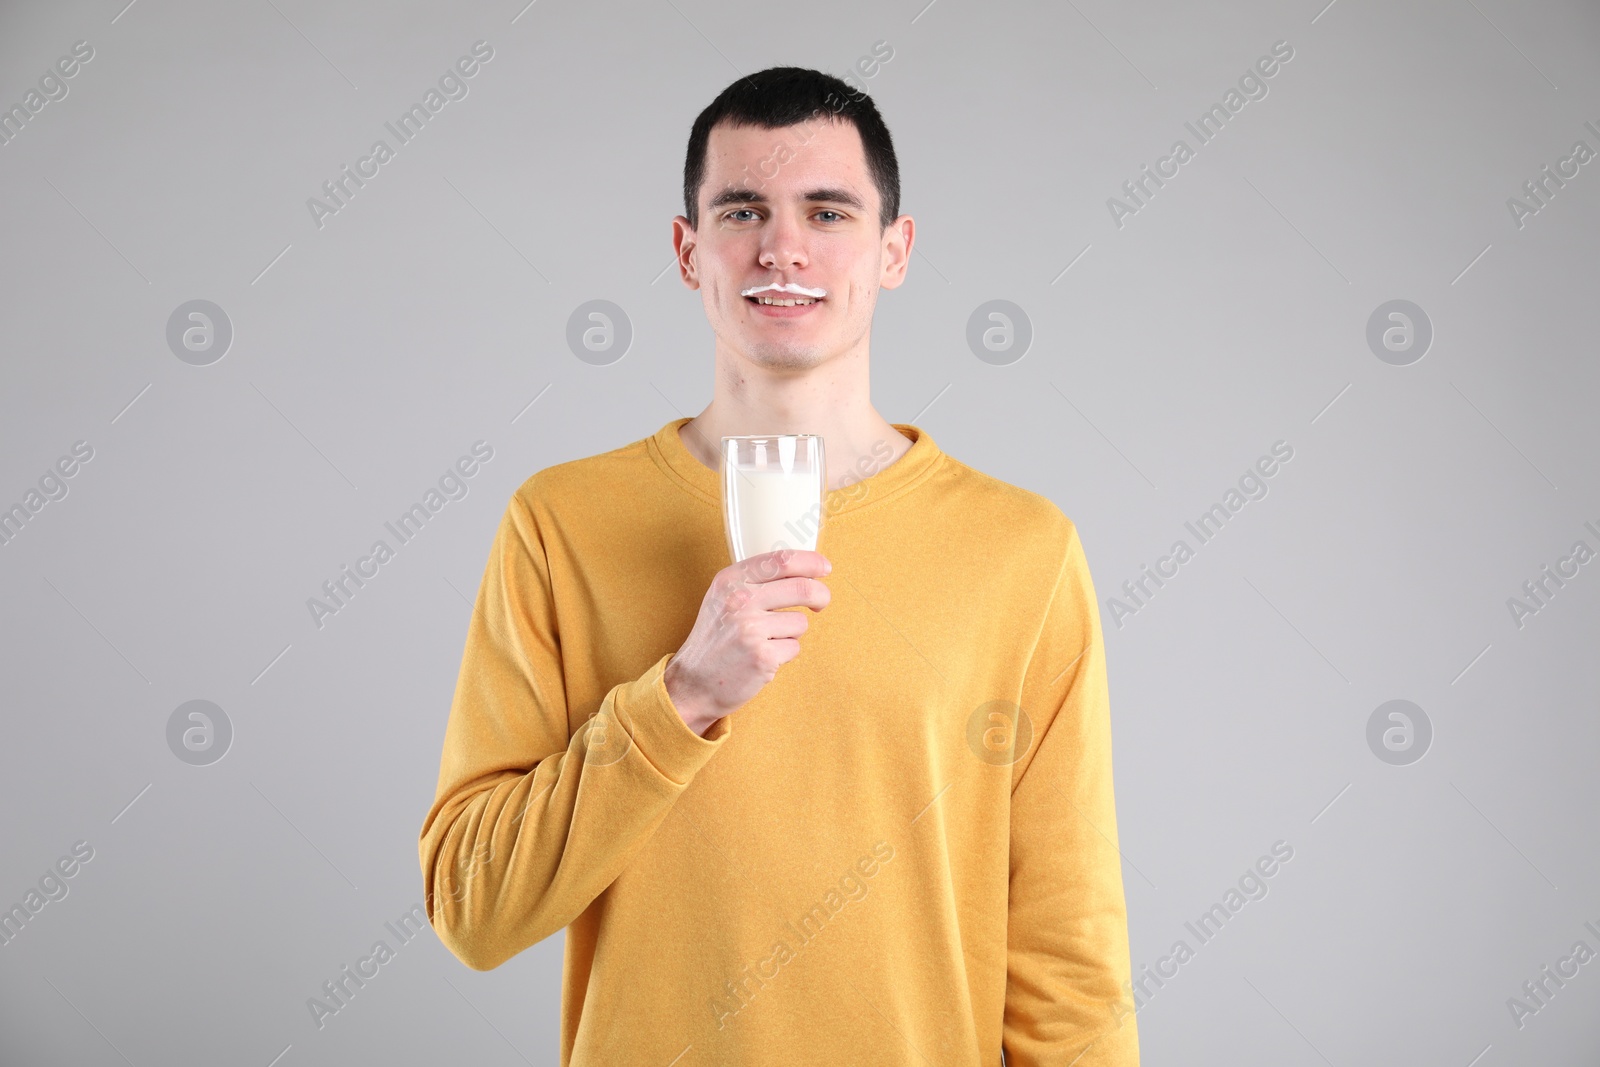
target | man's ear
x=898, y=238
x=683, y=246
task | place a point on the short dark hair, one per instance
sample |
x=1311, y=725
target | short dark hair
x=785, y=96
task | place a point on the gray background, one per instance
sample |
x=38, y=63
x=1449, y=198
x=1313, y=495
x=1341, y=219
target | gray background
x=1229, y=313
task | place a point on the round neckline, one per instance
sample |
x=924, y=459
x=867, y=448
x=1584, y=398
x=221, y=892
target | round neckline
x=915, y=464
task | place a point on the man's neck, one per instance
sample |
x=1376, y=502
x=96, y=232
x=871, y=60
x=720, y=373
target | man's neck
x=846, y=420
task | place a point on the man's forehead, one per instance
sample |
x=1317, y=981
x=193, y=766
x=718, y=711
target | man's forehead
x=732, y=147
x=818, y=159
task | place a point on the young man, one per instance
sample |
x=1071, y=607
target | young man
x=897, y=847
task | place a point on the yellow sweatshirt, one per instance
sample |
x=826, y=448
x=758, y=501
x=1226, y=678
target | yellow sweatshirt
x=901, y=851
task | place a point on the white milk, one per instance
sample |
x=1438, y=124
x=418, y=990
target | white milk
x=772, y=505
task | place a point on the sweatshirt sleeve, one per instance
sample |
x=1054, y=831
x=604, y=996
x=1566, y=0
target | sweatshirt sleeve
x=532, y=821
x=1067, y=939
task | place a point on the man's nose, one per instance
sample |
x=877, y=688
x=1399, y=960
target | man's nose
x=784, y=245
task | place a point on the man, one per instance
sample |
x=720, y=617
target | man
x=897, y=847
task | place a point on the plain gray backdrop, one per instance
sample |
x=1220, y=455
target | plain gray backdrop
x=1147, y=358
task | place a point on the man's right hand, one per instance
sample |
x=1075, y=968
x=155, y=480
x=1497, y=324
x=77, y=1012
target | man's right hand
x=740, y=639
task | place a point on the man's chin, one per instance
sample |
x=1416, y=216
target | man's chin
x=785, y=357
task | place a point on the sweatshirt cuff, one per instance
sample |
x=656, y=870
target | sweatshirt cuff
x=649, y=717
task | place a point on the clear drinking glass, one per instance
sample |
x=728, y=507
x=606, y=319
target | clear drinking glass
x=773, y=487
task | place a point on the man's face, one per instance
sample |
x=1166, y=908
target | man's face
x=792, y=205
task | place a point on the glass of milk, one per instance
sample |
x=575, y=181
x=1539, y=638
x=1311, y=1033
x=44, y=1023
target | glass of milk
x=773, y=487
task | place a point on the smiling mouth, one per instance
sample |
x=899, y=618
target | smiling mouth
x=785, y=295
x=783, y=300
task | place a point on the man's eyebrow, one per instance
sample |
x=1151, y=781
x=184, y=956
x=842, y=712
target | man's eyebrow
x=752, y=196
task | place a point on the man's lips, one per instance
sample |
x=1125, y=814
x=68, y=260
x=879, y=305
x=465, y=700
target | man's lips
x=800, y=300
x=786, y=291
x=782, y=311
